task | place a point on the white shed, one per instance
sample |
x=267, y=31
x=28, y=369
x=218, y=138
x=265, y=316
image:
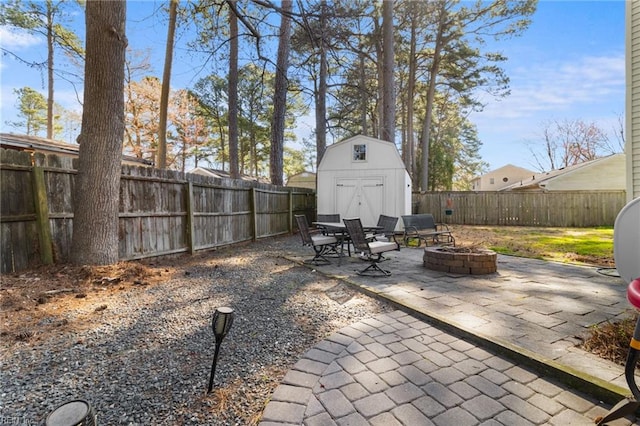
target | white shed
x=363, y=177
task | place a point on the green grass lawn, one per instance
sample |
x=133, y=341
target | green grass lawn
x=581, y=245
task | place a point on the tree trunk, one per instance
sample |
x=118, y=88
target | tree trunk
x=388, y=86
x=49, y=70
x=410, y=154
x=378, y=123
x=96, y=195
x=431, y=91
x=166, y=84
x=321, y=94
x=223, y=151
x=233, y=94
x=363, y=96
x=280, y=96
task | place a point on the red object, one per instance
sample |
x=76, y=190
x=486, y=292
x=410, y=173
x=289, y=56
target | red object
x=633, y=293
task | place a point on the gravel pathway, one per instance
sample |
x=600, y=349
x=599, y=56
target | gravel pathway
x=147, y=357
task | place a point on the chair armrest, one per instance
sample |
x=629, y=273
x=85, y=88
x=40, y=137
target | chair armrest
x=410, y=230
x=316, y=231
x=323, y=230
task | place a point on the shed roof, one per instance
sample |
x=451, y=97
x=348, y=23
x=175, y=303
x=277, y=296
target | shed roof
x=380, y=155
x=302, y=180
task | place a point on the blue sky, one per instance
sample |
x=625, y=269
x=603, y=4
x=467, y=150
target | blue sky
x=568, y=65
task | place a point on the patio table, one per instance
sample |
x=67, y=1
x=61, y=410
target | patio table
x=339, y=230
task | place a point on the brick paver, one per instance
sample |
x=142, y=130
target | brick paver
x=396, y=369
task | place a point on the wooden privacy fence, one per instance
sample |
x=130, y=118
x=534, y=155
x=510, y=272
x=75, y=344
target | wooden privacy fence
x=563, y=209
x=161, y=212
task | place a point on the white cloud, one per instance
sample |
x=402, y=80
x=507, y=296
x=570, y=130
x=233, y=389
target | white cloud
x=557, y=87
x=590, y=88
x=17, y=39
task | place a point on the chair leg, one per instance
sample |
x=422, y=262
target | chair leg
x=374, y=270
x=332, y=251
x=319, y=258
x=342, y=241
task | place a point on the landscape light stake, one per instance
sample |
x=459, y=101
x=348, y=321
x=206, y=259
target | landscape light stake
x=221, y=323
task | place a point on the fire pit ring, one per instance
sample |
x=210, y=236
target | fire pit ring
x=461, y=260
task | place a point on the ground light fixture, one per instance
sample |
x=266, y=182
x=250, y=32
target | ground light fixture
x=73, y=413
x=221, y=323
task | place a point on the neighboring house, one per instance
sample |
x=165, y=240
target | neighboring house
x=48, y=146
x=500, y=178
x=363, y=177
x=632, y=113
x=302, y=180
x=204, y=171
x=601, y=174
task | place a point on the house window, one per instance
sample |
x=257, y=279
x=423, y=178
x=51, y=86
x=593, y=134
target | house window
x=359, y=152
x=491, y=181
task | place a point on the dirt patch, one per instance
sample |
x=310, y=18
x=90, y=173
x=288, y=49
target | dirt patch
x=611, y=340
x=41, y=301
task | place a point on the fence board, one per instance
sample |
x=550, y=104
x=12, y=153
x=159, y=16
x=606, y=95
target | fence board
x=562, y=209
x=153, y=210
x=154, y=216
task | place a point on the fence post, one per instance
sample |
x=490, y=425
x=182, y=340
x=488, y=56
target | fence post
x=290, y=211
x=254, y=214
x=42, y=215
x=190, y=227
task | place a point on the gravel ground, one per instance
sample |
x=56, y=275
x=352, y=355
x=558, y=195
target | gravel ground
x=142, y=356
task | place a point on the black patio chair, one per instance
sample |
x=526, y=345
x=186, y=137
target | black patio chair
x=322, y=245
x=370, y=251
x=387, y=231
x=422, y=227
x=335, y=218
x=343, y=237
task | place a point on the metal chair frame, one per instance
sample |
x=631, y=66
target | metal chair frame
x=388, y=231
x=323, y=245
x=422, y=227
x=371, y=250
x=342, y=237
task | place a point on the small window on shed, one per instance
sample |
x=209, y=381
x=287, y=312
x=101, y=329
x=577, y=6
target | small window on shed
x=491, y=181
x=359, y=152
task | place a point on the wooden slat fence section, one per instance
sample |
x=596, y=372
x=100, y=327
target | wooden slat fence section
x=221, y=215
x=272, y=212
x=562, y=209
x=165, y=212
x=18, y=230
x=160, y=212
x=153, y=215
x=59, y=175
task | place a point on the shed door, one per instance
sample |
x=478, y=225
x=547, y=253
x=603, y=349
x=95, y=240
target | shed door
x=360, y=198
